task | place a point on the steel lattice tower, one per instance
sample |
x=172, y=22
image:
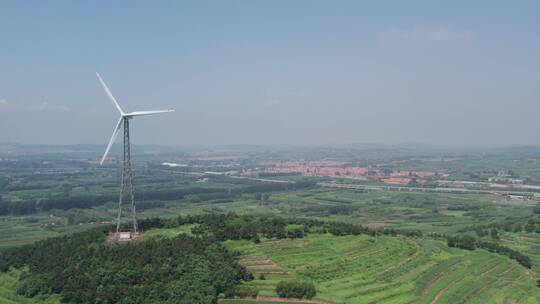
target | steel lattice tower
x=126, y=220
x=126, y=203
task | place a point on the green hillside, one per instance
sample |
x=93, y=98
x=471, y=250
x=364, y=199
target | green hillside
x=364, y=269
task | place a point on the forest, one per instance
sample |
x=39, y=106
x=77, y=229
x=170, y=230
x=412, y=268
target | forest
x=83, y=268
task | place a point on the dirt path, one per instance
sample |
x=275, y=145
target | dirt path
x=277, y=299
x=436, y=279
x=430, y=284
x=503, y=274
x=490, y=269
x=255, y=262
x=260, y=264
x=442, y=291
x=273, y=272
x=476, y=292
x=414, y=256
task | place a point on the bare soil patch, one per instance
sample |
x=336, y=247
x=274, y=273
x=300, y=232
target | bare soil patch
x=263, y=266
x=476, y=292
x=274, y=272
x=376, y=225
x=278, y=299
x=256, y=262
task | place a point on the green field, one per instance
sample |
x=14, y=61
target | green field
x=347, y=269
x=363, y=269
x=425, y=212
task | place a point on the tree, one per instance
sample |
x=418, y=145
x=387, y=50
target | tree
x=295, y=289
x=462, y=241
x=83, y=269
x=494, y=233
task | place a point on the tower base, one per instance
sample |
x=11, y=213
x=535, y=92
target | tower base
x=123, y=236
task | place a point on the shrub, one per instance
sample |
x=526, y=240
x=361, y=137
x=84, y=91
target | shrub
x=31, y=286
x=293, y=289
x=245, y=291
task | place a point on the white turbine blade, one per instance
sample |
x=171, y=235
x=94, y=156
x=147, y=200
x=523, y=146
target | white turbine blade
x=113, y=137
x=111, y=97
x=141, y=113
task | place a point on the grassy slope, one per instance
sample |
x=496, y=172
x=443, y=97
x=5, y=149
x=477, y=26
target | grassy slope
x=527, y=243
x=8, y=282
x=389, y=270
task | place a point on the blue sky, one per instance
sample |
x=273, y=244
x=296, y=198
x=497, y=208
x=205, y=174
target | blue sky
x=272, y=72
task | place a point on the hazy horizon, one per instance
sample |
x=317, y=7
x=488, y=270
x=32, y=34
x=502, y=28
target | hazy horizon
x=273, y=73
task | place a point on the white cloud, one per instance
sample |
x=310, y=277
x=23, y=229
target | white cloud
x=45, y=106
x=4, y=104
x=424, y=34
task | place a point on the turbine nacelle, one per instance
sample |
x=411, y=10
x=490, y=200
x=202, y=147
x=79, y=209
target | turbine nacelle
x=142, y=113
x=123, y=116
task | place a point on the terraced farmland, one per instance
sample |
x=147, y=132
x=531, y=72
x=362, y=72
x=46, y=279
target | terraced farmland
x=364, y=269
x=528, y=243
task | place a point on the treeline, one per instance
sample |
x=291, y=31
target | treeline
x=330, y=210
x=228, y=226
x=21, y=187
x=528, y=224
x=471, y=243
x=145, y=205
x=175, y=194
x=68, y=202
x=231, y=226
x=196, y=194
x=269, y=187
x=295, y=289
x=463, y=207
x=17, y=208
x=82, y=268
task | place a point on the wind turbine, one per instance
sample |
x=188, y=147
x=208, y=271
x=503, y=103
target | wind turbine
x=126, y=188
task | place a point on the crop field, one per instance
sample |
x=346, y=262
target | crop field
x=528, y=243
x=426, y=212
x=422, y=211
x=22, y=230
x=364, y=269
